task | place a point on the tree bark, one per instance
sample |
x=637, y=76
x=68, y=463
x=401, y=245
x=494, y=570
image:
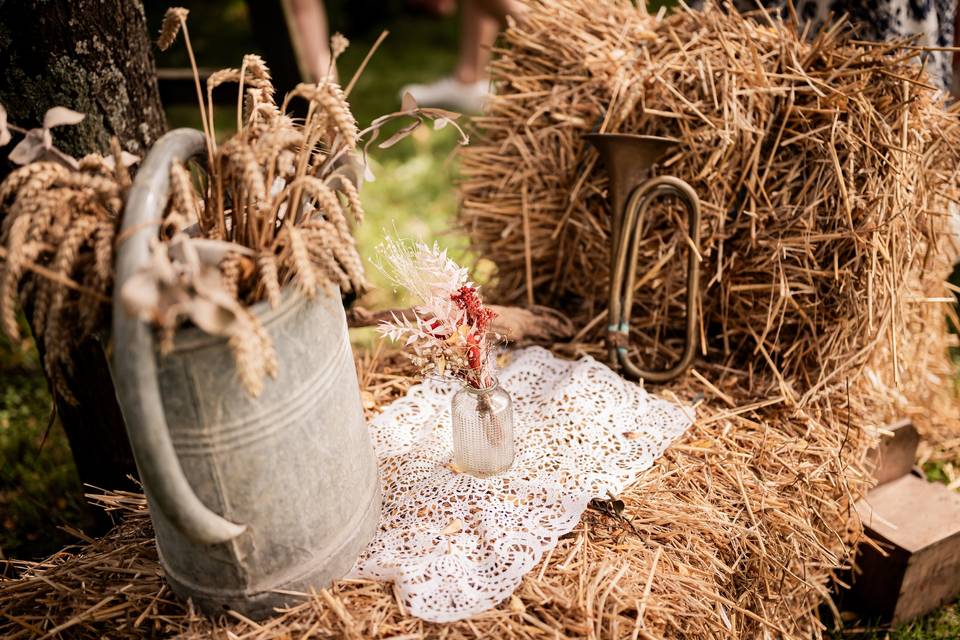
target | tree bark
x=93, y=56
x=94, y=426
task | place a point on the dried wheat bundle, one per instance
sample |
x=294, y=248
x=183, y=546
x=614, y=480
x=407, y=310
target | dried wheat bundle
x=278, y=199
x=824, y=167
x=268, y=209
x=280, y=188
x=56, y=253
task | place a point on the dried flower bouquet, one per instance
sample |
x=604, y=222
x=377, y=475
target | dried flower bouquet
x=448, y=333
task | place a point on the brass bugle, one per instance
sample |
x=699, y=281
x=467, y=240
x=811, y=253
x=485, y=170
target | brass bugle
x=628, y=159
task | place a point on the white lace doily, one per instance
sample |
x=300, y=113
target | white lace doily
x=456, y=545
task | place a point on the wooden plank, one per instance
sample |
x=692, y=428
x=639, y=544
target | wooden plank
x=897, y=452
x=912, y=512
x=918, y=525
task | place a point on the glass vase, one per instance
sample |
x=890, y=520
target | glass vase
x=482, y=430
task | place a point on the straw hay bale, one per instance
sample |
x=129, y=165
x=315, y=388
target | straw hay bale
x=824, y=168
x=733, y=534
x=716, y=544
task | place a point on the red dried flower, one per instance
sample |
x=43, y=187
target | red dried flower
x=478, y=316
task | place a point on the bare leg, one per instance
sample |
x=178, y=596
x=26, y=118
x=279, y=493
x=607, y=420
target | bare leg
x=480, y=22
x=312, y=38
x=467, y=88
x=478, y=31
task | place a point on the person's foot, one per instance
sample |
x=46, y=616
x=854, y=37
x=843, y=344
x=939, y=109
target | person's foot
x=450, y=93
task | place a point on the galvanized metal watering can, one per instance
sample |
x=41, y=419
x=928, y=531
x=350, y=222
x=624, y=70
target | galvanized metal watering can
x=253, y=499
x=628, y=159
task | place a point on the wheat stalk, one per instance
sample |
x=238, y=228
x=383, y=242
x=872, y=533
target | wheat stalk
x=273, y=189
x=57, y=233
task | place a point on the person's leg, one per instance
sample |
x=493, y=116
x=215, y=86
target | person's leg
x=312, y=38
x=478, y=32
x=468, y=88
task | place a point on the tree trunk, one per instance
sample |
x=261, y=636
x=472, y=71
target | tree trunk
x=94, y=426
x=93, y=56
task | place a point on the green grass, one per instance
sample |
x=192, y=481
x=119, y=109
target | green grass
x=942, y=624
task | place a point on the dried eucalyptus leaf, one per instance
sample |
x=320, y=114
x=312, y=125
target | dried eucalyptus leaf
x=160, y=267
x=59, y=116
x=140, y=296
x=400, y=134
x=408, y=102
x=36, y=146
x=184, y=254
x=349, y=166
x=176, y=282
x=52, y=153
x=29, y=149
x=126, y=159
x=211, y=317
x=434, y=112
x=212, y=252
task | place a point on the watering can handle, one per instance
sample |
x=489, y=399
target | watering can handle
x=134, y=359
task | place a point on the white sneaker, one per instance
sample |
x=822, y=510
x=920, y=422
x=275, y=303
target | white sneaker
x=450, y=93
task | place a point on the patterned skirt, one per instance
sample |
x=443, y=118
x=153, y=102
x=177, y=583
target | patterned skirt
x=932, y=20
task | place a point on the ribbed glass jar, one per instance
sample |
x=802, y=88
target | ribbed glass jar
x=482, y=430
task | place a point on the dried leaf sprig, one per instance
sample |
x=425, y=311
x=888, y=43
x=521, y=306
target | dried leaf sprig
x=183, y=281
x=449, y=330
